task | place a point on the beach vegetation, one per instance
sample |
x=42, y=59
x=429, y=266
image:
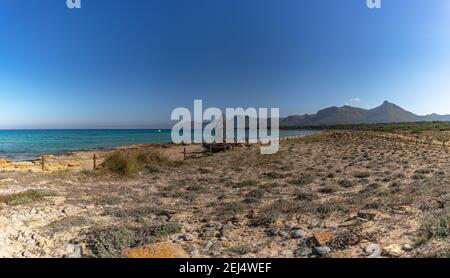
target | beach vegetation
x=129, y=162
x=274, y=175
x=109, y=200
x=346, y=183
x=23, y=198
x=306, y=196
x=325, y=209
x=436, y=225
x=229, y=210
x=413, y=127
x=240, y=249
x=138, y=214
x=361, y=175
x=266, y=217
x=67, y=223
x=255, y=195
x=328, y=189
x=246, y=183
x=110, y=242
x=304, y=179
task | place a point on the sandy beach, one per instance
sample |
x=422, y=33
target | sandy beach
x=84, y=160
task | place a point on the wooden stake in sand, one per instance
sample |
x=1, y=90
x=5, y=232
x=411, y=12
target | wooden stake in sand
x=43, y=163
x=184, y=153
x=94, y=157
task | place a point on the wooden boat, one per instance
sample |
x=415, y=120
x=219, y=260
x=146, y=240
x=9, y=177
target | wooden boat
x=217, y=147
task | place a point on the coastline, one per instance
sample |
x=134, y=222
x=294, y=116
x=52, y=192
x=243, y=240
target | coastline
x=83, y=159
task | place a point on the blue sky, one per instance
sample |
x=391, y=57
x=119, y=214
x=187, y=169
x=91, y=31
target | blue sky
x=118, y=63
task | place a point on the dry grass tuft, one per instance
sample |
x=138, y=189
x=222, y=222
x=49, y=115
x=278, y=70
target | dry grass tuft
x=23, y=198
x=129, y=162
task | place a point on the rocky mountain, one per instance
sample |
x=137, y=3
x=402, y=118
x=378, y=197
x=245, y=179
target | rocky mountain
x=385, y=113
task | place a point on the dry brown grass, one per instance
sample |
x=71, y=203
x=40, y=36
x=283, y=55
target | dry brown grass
x=129, y=162
x=23, y=198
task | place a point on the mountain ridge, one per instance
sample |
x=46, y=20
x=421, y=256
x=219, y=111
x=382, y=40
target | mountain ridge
x=385, y=113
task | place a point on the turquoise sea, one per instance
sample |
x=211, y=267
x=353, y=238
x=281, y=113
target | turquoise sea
x=30, y=144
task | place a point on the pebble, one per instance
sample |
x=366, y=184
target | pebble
x=73, y=251
x=290, y=226
x=322, y=237
x=164, y=217
x=216, y=246
x=42, y=243
x=274, y=231
x=407, y=248
x=322, y=250
x=368, y=214
x=210, y=225
x=394, y=250
x=303, y=251
x=188, y=237
x=298, y=234
x=35, y=236
x=227, y=227
x=209, y=233
x=373, y=250
x=69, y=211
x=349, y=223
x=237, y=220
x=283, y=234
x=212, y=245
x=194, y=252
x=26, y=254
x=207, y=245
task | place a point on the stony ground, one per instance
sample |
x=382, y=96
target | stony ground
x=336, y=194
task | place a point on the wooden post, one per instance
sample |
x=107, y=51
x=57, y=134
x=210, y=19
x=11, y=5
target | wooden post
x=184, y=153
x=94, y=157
x=43, y=163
